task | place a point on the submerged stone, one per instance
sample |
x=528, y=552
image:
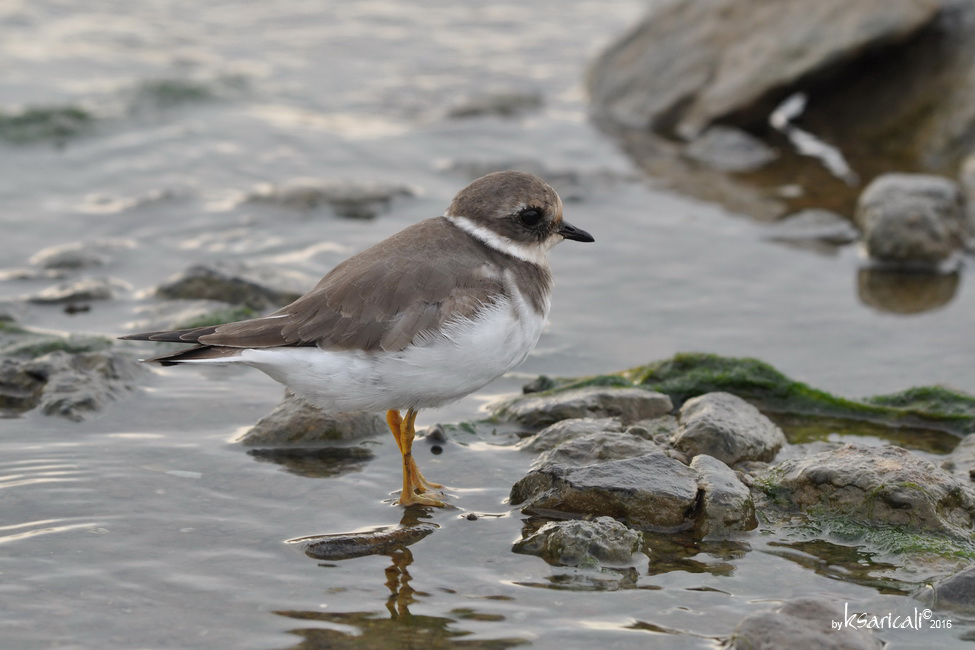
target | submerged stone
x=956, y=592
x=728, y=428
x=602, y=540
x=801, y=623
x=345, y=546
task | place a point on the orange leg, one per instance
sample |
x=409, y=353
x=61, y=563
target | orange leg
x=414, y=483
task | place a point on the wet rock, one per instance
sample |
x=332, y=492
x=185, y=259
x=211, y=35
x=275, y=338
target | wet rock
x=295, y=422
x=28, y=344
x=554, y=435
x=877, y=485
x=814, y=226
x=350, y=199
x=20, y=388
x=955, y=592
x=236, y=284
x=345, y=546
x=729, y=149
x=801, y=623
x=503, y=103
x=728, y=428
x=689, y=64
x=648, y=491
x=626, y=404
x=602, y=540
x=912, y=219
x=69, y=385
x=83, y=290
x=726, y=503
x=44, y=123
x=598, y=447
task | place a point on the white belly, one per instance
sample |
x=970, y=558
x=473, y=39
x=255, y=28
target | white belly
x=465, y=357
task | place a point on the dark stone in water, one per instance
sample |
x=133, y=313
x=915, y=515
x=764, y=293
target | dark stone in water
x=345, y=546
x=801, y=623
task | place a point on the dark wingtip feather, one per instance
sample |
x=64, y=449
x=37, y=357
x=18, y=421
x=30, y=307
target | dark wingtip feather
x=191, y=335
x=194, y=354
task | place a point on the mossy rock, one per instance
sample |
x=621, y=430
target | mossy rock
x=18, y=342
x=40, y=124
x=690, y=374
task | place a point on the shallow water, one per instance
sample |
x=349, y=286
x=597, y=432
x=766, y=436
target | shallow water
x=146, y=527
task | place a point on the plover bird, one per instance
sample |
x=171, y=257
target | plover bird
x=422, y=318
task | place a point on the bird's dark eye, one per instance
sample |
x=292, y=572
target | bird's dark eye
x=530, y=217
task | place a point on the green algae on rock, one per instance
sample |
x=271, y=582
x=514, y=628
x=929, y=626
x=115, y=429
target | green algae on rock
x=20, y=342
x=688, y=375
x=44, y=123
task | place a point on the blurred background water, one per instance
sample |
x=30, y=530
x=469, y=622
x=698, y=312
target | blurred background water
x=144, y=526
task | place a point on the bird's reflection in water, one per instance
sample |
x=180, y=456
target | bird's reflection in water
x=376, y=629
x=398, y=581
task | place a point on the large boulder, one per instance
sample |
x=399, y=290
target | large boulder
x=690, y=63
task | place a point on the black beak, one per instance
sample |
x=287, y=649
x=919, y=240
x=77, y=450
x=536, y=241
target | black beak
x=576, y=234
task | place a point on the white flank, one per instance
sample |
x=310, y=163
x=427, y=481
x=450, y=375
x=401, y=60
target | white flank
x=536, y=253
x=443, y=367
